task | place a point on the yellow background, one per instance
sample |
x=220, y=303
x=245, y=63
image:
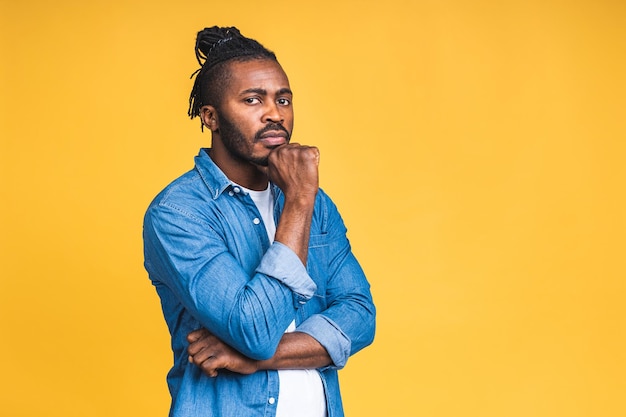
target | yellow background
x=475, y=148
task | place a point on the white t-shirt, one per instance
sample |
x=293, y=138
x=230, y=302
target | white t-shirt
x=301, y=391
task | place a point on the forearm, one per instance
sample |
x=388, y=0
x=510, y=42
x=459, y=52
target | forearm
x=294, y=169
x=297, y=351
x=295, y=224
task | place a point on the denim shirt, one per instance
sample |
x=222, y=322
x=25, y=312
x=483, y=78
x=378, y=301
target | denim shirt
x=208, y=255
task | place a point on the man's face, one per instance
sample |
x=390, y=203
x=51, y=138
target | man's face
x=256, y=112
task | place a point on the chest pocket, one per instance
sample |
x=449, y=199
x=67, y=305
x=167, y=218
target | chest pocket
x=318, y=269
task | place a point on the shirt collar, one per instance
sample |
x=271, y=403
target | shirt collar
x=216, y=181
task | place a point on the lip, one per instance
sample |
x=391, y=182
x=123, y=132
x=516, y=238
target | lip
x=273, y=138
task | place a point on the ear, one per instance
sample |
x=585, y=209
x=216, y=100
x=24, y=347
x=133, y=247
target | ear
x=209, y=117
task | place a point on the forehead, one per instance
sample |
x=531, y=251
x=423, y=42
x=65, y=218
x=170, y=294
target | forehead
x=261, y=74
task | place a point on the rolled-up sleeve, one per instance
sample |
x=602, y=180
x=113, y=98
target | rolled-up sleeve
x=282, y=263
x=329, y=335
x=247, y=310
x=348, y=322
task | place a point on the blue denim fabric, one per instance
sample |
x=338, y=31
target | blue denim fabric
x=208, y=255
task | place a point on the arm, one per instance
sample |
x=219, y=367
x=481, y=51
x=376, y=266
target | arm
x=347, y=323
x=201, y=278
x=294, y=169
x=187, y=252
x=325, y=339
x=295, y=351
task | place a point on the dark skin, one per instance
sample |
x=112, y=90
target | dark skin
x=295, y=351
x=257, y=97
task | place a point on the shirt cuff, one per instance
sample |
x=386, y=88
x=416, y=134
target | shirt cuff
x=281, y=263
x=329, y=335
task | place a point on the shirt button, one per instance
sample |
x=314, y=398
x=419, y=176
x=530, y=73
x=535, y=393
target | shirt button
x=230, y=193
x=256, y=220
x=237, y=190
x=272, y=400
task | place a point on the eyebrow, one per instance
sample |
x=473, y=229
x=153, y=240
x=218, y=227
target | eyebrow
x=263, y=92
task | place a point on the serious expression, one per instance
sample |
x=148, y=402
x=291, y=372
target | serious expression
x=256, y=112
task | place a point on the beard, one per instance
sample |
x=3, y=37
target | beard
x=240, y=147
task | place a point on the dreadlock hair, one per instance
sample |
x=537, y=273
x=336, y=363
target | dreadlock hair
x=215, y=47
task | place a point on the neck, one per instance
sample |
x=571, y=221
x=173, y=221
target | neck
x=244, y=173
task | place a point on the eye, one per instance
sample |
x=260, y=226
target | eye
x=283, y=101
x=251, y=100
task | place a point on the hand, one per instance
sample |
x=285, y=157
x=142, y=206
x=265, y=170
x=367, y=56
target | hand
x=294, y=169
x=211, y=354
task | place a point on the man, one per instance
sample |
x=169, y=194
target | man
x=261, y=293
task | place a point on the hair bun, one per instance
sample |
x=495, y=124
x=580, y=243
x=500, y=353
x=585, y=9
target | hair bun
x=209, y=38
x=215, y=45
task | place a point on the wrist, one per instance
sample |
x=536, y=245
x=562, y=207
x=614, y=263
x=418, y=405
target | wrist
x=263, y=365
x=301, y=199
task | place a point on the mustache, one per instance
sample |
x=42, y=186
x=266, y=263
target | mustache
x=272, y=127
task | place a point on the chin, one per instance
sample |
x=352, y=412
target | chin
x=260, y=161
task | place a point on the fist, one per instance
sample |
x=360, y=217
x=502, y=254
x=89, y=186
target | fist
x=294, y=169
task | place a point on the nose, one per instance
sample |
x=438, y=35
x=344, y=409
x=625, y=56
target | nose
x=272, y=113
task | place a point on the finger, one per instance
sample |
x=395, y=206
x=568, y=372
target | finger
x=310, y=154
x=202, y=355
x=210, y=366
x=317, y=155
x=197, y=334
x=204, y=342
